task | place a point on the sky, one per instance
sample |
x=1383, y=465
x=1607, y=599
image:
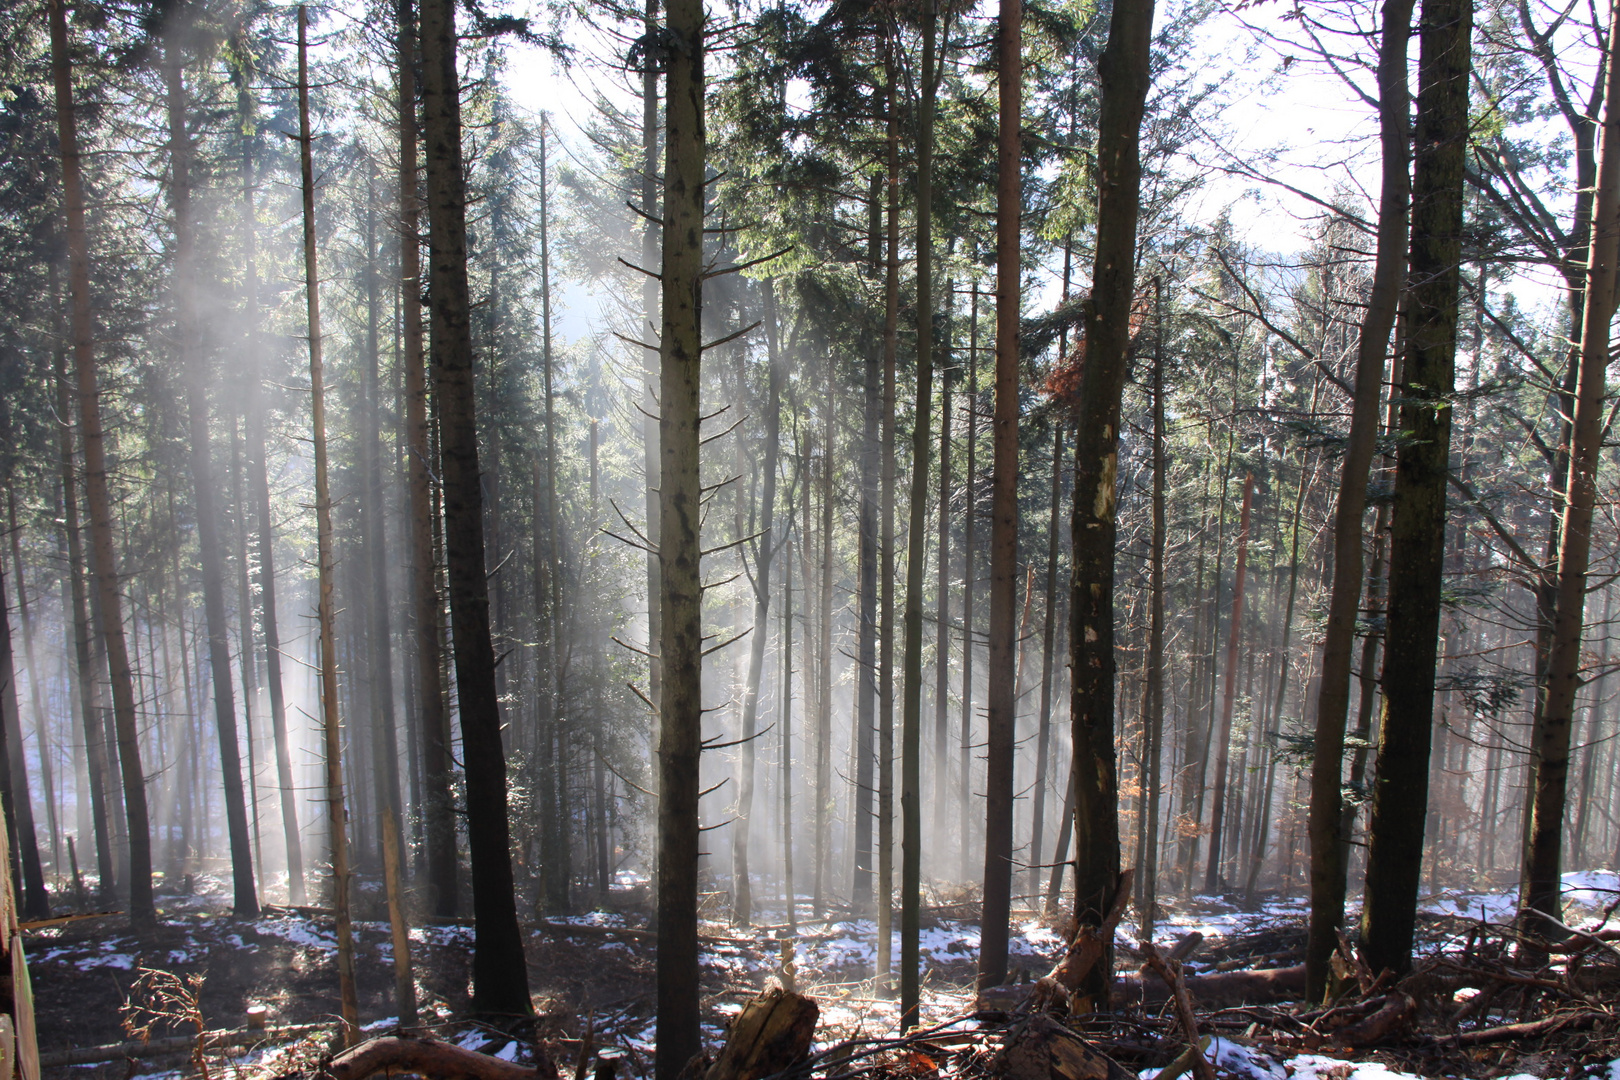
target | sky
x=1306, y=124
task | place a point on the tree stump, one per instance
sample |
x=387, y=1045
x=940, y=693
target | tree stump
x=770, y=1035
x=1042, y=1049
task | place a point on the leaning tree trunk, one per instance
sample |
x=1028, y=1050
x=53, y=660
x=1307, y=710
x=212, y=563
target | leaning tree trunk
x=1125, y=76
x=680, y=600
x=500, y=977
x=1552, y=733
x=1001, y=699
x=325, y=563
x=1418, y=516
x=142, y=913
x=917, y=548
x=194, y=365
x=1338, y=642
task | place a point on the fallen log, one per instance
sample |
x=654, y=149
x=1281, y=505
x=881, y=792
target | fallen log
x=1397, y=1009
x=1532, y=1029
x=430, y=1057
x=1222, y=990
x=635, y=933
x=771, y=1035
x=1040, y=1048
x=174, y=1044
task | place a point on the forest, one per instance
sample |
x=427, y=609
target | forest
x=1045, y=540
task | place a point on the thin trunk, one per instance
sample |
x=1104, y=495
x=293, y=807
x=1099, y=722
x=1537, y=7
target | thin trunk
x=18, y=806
x=142, y=913
x=557, y=877
x=1552, y=731
x=886, y=632
x=1418, y=517
x=1328, y=880
x=970, y=514
x=1147, y=898
x=385, y=740
x=42, y=733
x=742, y=891
x=1217, y=815
x=824, y=646
x=917, y=547
x=194, y=366
x=866, y=643
x=325, y=562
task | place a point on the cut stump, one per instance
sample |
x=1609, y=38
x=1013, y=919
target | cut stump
x=771, y=1035
x=1040, y=1048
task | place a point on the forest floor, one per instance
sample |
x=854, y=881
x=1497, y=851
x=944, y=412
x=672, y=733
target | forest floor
x=594, y=972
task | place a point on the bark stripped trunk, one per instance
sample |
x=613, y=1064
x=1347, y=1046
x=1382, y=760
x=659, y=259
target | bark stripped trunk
x=1418, y=517
x=1328, y=880
x=142, y=913
x=500, y=977
x=325, y=561
x=680, y=647
x=1125, y=76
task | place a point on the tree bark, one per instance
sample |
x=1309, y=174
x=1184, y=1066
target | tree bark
x=1125, y=76
x=1418, y=517
x=325, y=561
x=1001, y=698
x=438, y=807
x=742, y=891
x=1551, y=736
x=680, y=647
x=867, y=629
x=917, y=545
x=1223, y=748
x=500, y=976
x=1153, y=698
x=1333, y=693
x=142, y=913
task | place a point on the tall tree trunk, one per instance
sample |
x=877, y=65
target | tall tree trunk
x=500, y=977
x=1223, y=748
x=42, y=732
x=1001, y=698
x=325, y=562
x=1153, y=700
x=86, y=671
x=142, y=913
x=18, y=806
x=742, y=891
x=886, y=632
x=1333, y=692
x=551, y=688
x=917, y=546
x=680, y=646
x=438, y=807
x=970, y=514
x=1418, y=517
x=1552, y=732
x=194, y=365
x=867, y=629
x=942, y=620
x=824, y=645
x=652, y=364
x=379, y=637
x=785, y=761
x=1124, y=73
